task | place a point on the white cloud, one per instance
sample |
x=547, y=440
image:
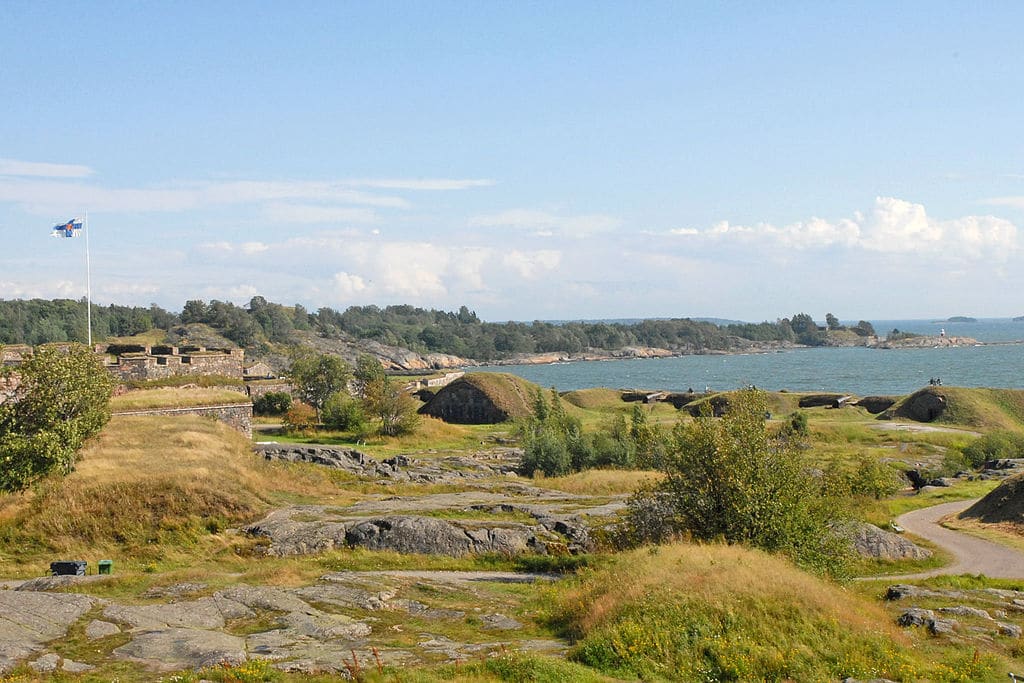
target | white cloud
x=313, y=213
x=891, y=226
x=1015, y=202
x=532, y=264
x=58, y=188
x=244, y=248
x=347, y=285
x=544, y=224
x=422, y=183
x=250, y=248
x=14, y=167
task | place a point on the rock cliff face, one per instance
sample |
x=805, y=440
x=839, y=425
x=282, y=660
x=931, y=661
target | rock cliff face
x=393, y=358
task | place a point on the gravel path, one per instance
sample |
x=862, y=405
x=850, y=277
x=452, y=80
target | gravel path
x=971, y=555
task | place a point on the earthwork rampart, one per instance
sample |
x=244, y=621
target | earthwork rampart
x=237, y=415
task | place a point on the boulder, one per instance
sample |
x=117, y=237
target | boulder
x=915, y=616
x=870, y=541
x=1009, y=630
x=432, y=536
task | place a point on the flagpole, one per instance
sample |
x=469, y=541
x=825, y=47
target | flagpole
x=88, y=283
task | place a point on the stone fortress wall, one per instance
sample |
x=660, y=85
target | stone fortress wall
x=131, y=362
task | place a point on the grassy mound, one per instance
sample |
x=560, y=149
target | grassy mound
x=1004, y=504
x=779, y=403
x=175, y=397
x=148, y=488
x=983, y=409
x=595, y=399
x=688, y=613
x=483, y=398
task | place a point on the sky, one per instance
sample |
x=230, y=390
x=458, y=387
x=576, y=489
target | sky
x=568, y=160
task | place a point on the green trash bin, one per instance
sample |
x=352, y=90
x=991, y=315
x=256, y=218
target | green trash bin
x=105, y=566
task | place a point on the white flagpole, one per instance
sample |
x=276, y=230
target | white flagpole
x=88, y=283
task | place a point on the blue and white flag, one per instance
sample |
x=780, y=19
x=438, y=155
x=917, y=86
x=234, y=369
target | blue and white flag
x=69, y=229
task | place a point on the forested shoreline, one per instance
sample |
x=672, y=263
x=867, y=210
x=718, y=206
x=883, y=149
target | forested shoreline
x=262, y=324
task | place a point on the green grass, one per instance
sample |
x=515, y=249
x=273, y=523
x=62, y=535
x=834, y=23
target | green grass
x=687, y=613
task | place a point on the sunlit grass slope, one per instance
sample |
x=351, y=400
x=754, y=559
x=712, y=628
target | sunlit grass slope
x=726, y=613
x=175, y=397
x=978, y=408
x=149, y=488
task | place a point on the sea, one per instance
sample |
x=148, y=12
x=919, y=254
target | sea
x=998, y=362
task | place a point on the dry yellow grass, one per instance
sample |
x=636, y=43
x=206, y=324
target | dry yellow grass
x=174, y=397
x=715, y=612
x=150, y=486
x=600, y=482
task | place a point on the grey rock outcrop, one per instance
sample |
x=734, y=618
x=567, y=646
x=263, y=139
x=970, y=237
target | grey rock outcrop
x=31, y=619
x=870, y=541
x=171, y=649
x=432, y=536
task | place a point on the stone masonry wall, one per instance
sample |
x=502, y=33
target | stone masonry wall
x=237, y=415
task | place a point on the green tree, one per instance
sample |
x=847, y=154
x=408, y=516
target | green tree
x=272, y=403
x=61, y=399
x=732, y=479
x=344, y=413
x=393, y=408
x=553, y=441
x=368, y=369
x=317, y=376
x=832, y=322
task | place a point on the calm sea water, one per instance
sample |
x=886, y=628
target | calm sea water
x=848, y=370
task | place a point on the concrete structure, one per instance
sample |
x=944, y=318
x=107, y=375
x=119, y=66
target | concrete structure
x=139, y=363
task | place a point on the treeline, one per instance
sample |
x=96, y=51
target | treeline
x=459, y=333
x=38, y=321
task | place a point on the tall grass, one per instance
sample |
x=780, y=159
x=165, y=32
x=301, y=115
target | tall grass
x=150, y=487
x=174, y=397
x=726, y=613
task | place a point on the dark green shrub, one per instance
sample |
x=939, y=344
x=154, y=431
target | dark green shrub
x=344, y=413
x=272, y=403
x=994, y=446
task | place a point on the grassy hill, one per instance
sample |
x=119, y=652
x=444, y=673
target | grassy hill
x=689, y=612
x=978, y=408
x=148, y=489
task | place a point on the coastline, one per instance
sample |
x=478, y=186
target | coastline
x=636, y=352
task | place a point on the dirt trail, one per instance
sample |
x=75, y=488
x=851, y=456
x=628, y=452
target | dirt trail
x=971, y=555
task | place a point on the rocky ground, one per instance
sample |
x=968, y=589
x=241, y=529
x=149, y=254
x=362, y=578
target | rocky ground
x=343, y=619
x=346, y=620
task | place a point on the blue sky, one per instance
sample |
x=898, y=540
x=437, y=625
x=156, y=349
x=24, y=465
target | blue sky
x=528, y=160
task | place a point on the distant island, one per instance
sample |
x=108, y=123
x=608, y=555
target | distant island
x=962, y=319
x=1019, y=319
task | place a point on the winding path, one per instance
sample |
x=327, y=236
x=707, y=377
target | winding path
x=971, y=555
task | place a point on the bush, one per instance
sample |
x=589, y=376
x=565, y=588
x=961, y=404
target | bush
x=300, y=418
x=344, y=413
x=546, y=452
x=272, y=403
x=730, y=478
x=994, y=446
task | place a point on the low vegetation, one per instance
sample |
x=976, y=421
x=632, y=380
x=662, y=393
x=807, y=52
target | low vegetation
x=687, y=612
x=174, y=397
